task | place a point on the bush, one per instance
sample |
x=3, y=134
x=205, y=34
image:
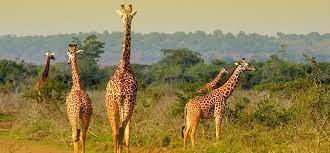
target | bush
x=238, y=114
x=187, y=92
x=271, y=114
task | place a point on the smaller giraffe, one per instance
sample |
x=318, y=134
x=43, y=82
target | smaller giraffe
x=212, y=85
x=79, y=105
x=42, y=81
x=211, y=105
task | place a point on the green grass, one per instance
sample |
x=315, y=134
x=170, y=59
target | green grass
x=249, y=127
x=6, y=117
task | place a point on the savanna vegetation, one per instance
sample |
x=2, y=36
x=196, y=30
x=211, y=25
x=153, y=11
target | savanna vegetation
x=281, y=107
x=146, y=46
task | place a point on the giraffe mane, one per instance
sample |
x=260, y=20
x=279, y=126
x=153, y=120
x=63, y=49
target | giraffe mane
x=231, y=73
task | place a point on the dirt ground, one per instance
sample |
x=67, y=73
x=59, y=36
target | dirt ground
x=18, y=146
x=14, y=146
x=25, y=146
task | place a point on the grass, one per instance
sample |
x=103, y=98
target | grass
x=6, y=117
x=155, y=129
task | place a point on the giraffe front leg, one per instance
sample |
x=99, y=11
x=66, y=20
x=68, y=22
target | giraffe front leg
x=218, y=121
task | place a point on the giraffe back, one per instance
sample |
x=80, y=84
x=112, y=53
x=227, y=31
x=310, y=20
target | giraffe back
x=206, y=104
x=122, y=83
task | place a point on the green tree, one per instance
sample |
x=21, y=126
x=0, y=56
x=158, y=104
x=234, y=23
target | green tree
x=92, y=50
x=182, y=56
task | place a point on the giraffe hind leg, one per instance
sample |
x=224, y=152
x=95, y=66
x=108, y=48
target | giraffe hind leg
x=84, y=131
x=75, y=139
x=186, y=131
x=112, y=102
x=127, y=135
x=124, y=130
x=193, y=130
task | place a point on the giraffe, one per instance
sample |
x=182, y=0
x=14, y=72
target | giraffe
x=79, y=106
x=42, y=81
x=122, y=88
x=212, y=104
x=212, y=85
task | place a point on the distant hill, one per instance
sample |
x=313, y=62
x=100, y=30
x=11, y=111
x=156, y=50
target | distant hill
x=146, y=47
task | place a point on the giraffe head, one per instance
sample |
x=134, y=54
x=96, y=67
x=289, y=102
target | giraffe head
x=223, y=70
x=50, y=55
x=72, y=52
x=244, y=65
x=126, y=14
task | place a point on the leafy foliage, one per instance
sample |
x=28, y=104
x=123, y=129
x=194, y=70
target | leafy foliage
x=214, y=45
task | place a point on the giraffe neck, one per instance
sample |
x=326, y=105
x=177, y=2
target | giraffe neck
x=44, y=74
x=75, y=74
x=229, y=86
x=126, y=50
x=218, y=77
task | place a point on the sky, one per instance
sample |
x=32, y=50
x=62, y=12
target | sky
x=46, y=17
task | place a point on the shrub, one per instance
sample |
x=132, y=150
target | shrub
x=271, y=114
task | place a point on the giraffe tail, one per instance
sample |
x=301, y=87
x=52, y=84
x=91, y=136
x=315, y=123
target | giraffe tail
x=184, y=126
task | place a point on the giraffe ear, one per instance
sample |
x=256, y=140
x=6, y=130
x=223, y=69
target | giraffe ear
x=47, y=54
x=134, y=12
x=119, y=12
x=52, y=54
x=80, y=51
x=236, y=63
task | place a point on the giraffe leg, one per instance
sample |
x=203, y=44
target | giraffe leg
x=186, y=131
x=84, y=131
x=75, y=138
x=74, y=121
x=194, y=125
x=113, y=114
x=127, y=136
x=129, y=102
x=114, y=127
x=218, y=121
x=86, y=115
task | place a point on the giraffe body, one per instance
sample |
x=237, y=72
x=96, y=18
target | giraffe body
x=211, y=105
x=79, y=105
x=122, y=88
x=213, y=84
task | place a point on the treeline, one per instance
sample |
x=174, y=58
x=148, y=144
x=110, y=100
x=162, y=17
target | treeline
x=215, y=45
x=176, y=67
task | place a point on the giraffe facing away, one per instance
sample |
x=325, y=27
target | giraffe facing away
x=42, y=81
x=212, y=85
x=211, y=105
x=79, y=106
x=122, y=88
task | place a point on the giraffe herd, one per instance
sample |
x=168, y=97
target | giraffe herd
x=121, y=93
